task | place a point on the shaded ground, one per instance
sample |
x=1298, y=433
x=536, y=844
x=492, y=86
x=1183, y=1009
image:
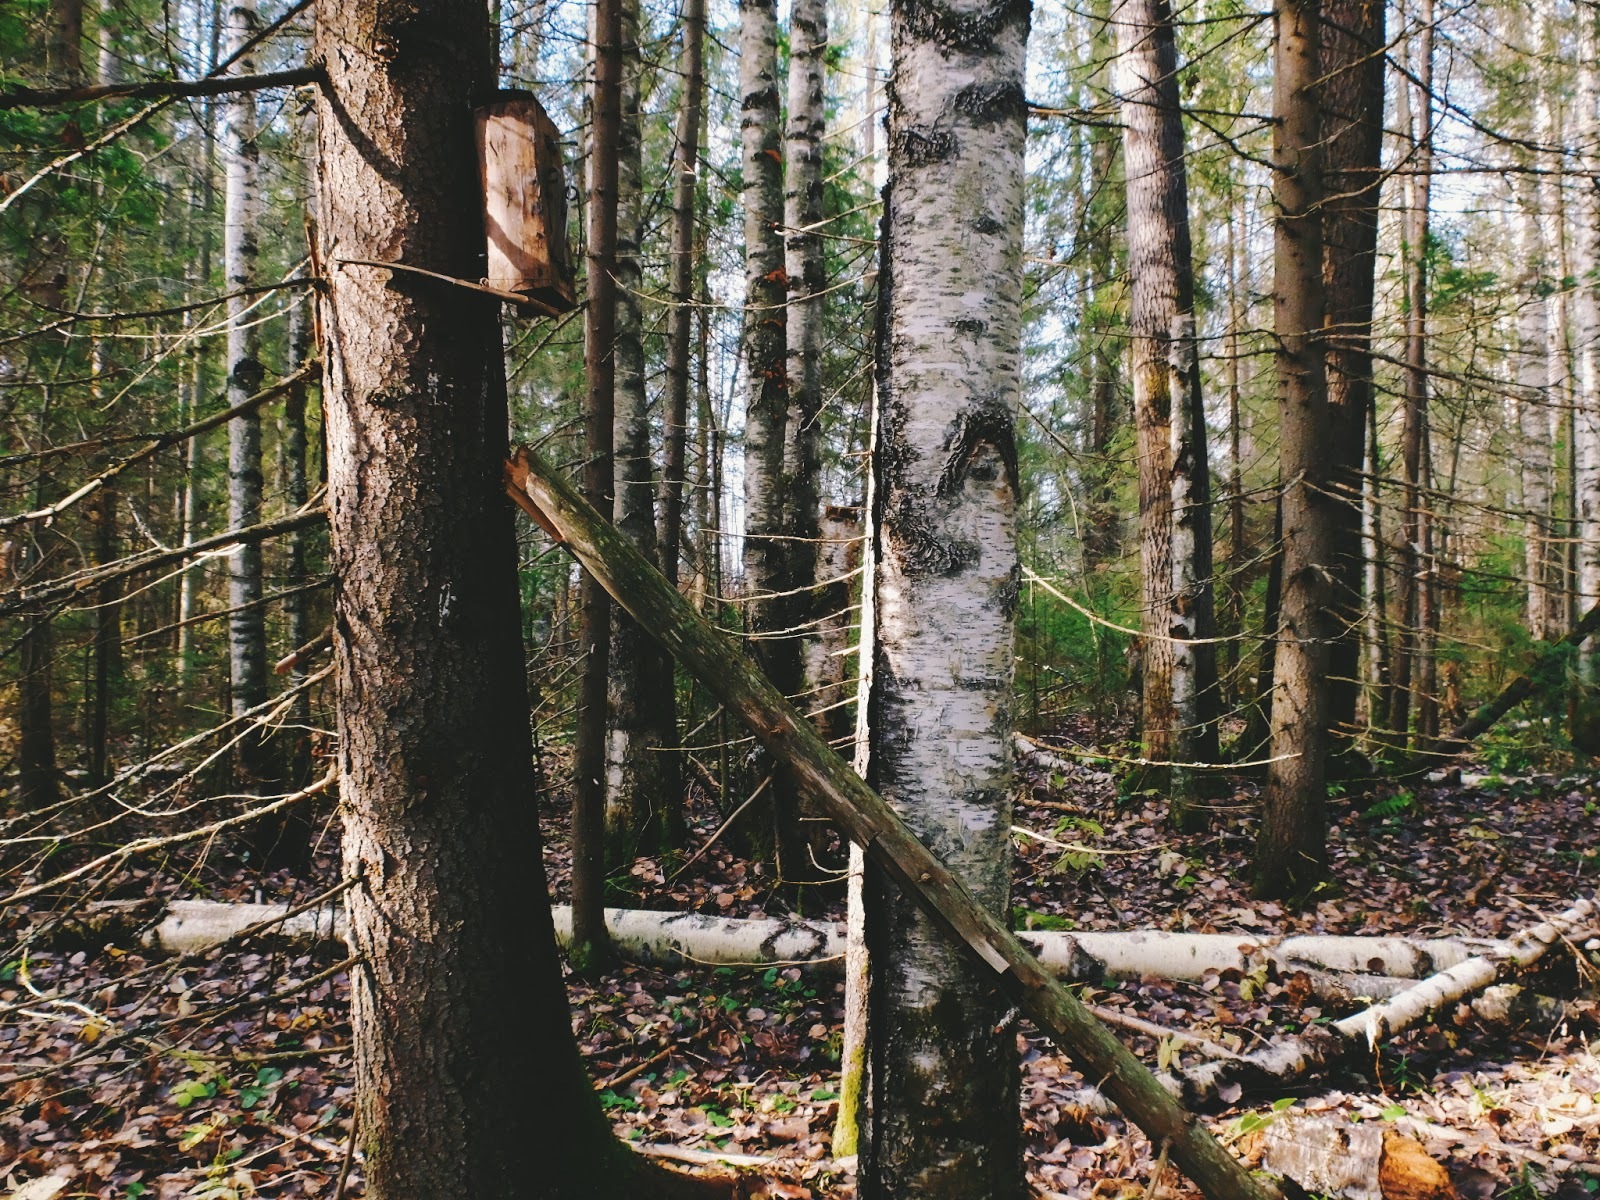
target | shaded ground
x=134, y=1076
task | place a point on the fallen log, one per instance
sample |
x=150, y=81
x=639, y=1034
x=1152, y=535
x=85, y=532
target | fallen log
x=1380, y=966
x=1332, y=1156
x=1288, y=1059
x=824, y=778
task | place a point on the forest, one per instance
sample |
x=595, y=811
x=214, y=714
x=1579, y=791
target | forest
x=941, y=600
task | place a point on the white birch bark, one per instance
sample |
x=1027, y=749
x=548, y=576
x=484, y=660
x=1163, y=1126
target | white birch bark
x=942, y=1061
x=1586, y=331
x=247, y=645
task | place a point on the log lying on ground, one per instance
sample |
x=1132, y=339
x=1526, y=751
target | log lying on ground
x=1332, y=1156
x=677, y=939
x=825, y=779
x=1287, y=1059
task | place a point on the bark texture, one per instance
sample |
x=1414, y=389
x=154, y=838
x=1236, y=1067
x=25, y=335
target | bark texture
x=1291, y=853
x=642, y=812
x=1174, y=478
x=450, y=918
x=942, y=1064
x=1586, y=339
x=247, y=629
x=590, y=949
x=685, y=168
x=770, y=828
x=1352, y=122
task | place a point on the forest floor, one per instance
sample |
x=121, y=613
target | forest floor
x=124, y=1075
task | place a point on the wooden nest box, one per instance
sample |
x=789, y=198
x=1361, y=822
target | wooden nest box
x=525, y=202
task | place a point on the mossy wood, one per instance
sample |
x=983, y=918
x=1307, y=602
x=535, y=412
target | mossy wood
x=525, y=202
x=827, y=779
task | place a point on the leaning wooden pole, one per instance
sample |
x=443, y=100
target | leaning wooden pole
x=864, y=817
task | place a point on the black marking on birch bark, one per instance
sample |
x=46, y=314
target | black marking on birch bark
x=969, y=32
x=983, y=433
x=248, y=374
x=1011, y=592
x=984, y=223
x=766, y=97
x=920, y=145
x=991, y=103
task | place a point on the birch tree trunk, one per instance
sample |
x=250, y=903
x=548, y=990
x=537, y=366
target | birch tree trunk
x=1175, y=479
x=770, y=829
x=451, y=919
x=1353, y=38
x=942, y=1061
x=247, y=630
x=804, y=266
x=1291, y=853
x=1586, y=331
x=642, y=801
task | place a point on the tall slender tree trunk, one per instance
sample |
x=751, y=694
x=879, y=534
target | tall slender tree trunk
x=1533, y=420
x=247, y=629
x=591, y=947
x=1352, y=58
x=1234, y=593
x=1291, y=854
x=806, y=271
x=106, y=671
x=642, y=800
x=1586, y=338
x=451, y=920
x=771, y=826
x=1174, y=480
x=681, y=285
x=1103, y=537
x=943, y=1067
x=1412, y=691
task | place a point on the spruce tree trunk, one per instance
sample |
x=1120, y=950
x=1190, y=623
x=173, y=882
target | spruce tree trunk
x=1533, y=421
x=1291, y=853
x=1353, y=38
x=247, y=630
x=942, y=1060
x=681, y=285
x=1175, y=510
x=771, y=826
x=642, y=802
x=452, y=917
x=590, y=943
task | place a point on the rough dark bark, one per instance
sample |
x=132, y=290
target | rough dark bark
x=1175, y=508
x=1291, y=852
x=1352, y=122
x=451, y=917
x=590, y=947
x=643, y=801
x=685, y=187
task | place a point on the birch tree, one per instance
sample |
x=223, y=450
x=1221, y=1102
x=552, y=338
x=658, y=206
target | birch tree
x=242, y=214
x=767, y=554
x=1586, y=333
x=942, y=1060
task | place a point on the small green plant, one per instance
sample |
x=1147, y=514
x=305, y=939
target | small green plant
x=612, y=1101
x=253, y=1093
x=192, y=1090
x=1391, y=807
